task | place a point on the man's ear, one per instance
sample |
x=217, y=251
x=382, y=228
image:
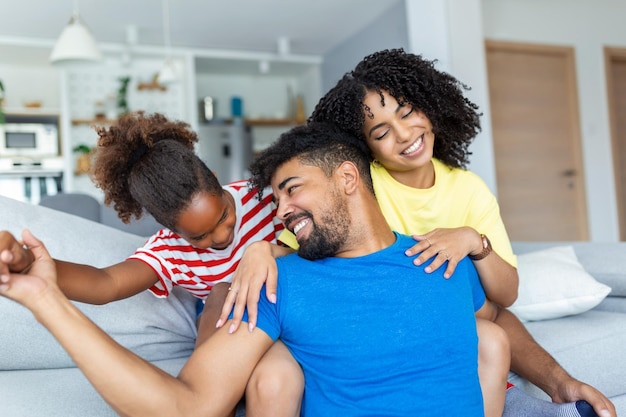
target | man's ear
x=349, y=176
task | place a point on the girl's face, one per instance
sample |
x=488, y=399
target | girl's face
x=399, y=136
x=208, y=221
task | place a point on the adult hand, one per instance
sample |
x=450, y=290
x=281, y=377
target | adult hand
x=574, y=390
x=256, y=267
x=13, y=256
x=29, y=288
x=443, y=245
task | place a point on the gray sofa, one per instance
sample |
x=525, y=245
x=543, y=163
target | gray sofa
x=37, y=379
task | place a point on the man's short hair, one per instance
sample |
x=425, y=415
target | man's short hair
x=322, y=145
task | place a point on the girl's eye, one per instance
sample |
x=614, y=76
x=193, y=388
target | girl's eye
x=408, y=113
x=291, y=188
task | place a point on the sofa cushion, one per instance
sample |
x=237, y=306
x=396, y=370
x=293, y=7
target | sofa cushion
x=554, y=284
x=153, y=328
x=589, y=346
x=605, y=261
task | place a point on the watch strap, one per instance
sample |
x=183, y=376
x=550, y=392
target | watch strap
x=487, y=249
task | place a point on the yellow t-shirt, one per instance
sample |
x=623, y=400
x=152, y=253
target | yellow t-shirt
x=458, y=198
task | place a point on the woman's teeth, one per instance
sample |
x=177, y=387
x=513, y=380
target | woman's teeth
x=413, y=147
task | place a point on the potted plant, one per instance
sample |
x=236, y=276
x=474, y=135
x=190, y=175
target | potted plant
x=83, y=162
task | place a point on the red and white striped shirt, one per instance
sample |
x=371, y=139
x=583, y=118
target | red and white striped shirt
x=176, y=262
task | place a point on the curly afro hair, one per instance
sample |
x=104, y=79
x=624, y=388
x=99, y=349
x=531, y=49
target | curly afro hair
x=147, y=162
x=322, y=145
x=410, y=79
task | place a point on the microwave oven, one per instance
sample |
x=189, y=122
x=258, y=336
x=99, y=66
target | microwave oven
x=33, y=140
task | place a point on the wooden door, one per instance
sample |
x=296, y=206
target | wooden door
x=536, y=133
x=615, y=64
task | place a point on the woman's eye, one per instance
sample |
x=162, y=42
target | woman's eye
x=382, y=135
x=408, y=113
x=291, y=188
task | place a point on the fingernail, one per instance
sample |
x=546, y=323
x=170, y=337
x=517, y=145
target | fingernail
x=427, y=269
x=250, y=327
x=219, y=323
x=231, y=329
x=273, y=298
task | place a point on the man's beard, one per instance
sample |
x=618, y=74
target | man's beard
x=327, y=237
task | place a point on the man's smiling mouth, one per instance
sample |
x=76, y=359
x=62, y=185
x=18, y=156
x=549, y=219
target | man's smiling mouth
x=300, y=225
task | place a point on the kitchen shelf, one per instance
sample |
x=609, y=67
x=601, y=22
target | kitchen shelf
x=93, y=121
x=260, y=122
x=151, y=86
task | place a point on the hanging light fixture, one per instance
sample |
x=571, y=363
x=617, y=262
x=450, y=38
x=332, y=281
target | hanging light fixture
x=168, y=73
x=76, y=43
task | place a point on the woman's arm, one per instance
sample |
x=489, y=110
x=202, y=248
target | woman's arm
x=256, y=267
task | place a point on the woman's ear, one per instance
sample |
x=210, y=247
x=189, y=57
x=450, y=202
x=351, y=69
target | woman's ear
x=349, y=176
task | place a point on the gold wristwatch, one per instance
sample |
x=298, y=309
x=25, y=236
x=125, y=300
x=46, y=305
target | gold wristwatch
x=486, y=249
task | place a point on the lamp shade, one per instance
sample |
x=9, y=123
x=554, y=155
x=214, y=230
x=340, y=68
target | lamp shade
x=75, y=44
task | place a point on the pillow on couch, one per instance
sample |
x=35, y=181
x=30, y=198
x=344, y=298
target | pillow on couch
x=552, y=284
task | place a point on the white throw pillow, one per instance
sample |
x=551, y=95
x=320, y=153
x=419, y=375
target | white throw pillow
x=552, y=284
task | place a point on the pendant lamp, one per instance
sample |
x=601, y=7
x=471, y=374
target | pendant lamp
x=76, y=43
x=168, y=73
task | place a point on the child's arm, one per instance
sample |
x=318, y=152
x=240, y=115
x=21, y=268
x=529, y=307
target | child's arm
x=256, y=267
x=86, y=283
x=92, y=285
x=499, y=278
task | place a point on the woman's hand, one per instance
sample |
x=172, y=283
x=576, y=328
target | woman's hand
x=443, y=245
x=256, y=267
x=14, y=256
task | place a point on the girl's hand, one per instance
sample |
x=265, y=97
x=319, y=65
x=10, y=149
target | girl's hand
x=256, y=267
x=14, y=256
x=443, y=245
x=28, y=287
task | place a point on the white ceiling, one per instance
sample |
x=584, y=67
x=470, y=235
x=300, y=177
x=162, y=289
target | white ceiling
x=312, y=26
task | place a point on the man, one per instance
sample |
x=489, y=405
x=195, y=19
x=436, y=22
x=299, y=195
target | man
x=411, y=351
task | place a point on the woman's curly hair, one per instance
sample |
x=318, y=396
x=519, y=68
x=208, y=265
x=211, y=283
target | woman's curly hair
x=147, y=162
x=411, y=79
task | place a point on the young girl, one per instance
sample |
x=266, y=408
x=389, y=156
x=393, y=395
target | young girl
x=146, y=163
x=417, y=126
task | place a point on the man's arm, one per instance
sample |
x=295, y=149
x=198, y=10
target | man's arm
x=532, y=362
x=210, y=384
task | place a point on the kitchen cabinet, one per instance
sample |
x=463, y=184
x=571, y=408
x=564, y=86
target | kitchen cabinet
x=73, y=92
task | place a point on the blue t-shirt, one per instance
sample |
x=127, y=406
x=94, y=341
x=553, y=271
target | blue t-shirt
x=377, y=336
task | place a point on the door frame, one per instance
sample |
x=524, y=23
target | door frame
x=612, y=54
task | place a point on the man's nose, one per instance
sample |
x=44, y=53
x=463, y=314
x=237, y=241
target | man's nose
x=283, y=211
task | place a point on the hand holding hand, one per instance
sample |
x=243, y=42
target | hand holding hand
x=28, y=287
x=14, y=257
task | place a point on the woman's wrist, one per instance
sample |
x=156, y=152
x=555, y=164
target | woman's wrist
x=485, y=249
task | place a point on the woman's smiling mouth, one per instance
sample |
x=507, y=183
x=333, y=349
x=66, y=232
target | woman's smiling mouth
x=414, y=147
